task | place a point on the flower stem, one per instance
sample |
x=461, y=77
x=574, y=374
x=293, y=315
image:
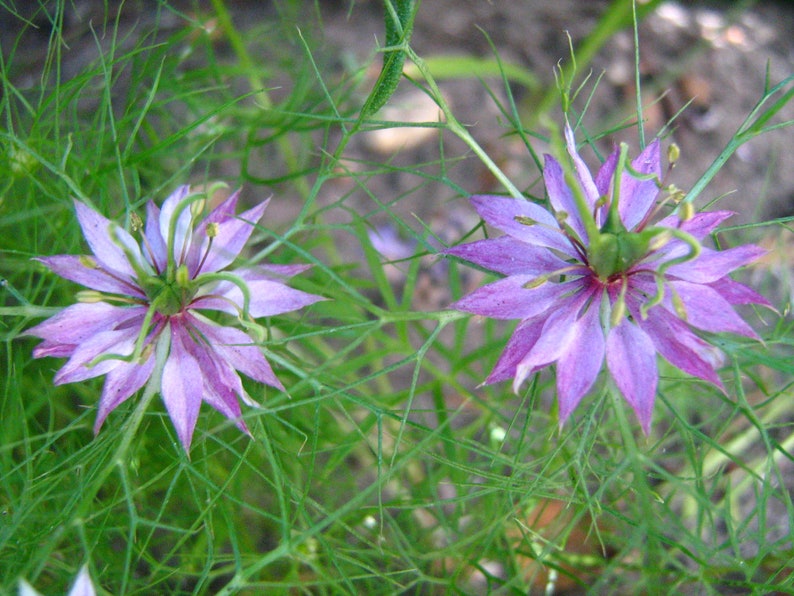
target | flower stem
x=117, y=460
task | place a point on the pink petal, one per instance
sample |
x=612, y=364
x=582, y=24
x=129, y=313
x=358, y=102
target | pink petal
x=108, y=241
x=700, y=225
x=712, y=265
x=76, y=323
x=238, y=350
x=519, y=345
x=72, y=268
x=182, y=385
x=505, y=214
x=508, y=256
x=637, y=196
x=678, y=345
x=581, y=170
x=121, y=382
x=156, y=253
x=184, y=223
x=579, y=365
x=77, y=368
x=233, y=233
x=631, y=359
x=736, y=293
x=268, y=298
x=706, y=309
x=559, y=331
x=561, y=196
x=509, y=299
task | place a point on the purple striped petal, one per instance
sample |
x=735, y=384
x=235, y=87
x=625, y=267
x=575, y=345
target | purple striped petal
x=706, y=309
x=79, y=367
x=637, y=196
x=712, y=265
x=505, y=214
x=277, y=271
x=76, y=323
x=678, y=345
x=508, y=256
x=631, y=359
x=509, y=299
x=238, y=350
x=268, y=298
x=222, y=384
x=155, y=248
x=182, y=385
x=183, y=224
x=736, y=293
x=108, y=241
x=519, y=345
x=559, y=331
x=233, y=233
x=585, y=179
x=121, y=382
x=579, y=365
x=700, y=225
x=605, y=176
x=74, y=269
x=561, y=196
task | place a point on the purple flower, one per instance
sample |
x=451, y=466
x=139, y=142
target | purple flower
x=141, y=313
x=592, y=280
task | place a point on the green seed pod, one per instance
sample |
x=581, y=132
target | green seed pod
x=397, y=33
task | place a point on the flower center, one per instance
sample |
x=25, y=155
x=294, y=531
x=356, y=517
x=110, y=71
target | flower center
x=611, y=253
x=169, y=293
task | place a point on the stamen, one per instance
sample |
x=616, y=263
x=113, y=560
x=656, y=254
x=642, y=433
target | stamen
x=619, y=308
x=542, y=279
x=93, y=296
x=212, y=231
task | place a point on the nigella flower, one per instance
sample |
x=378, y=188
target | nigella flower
x=142, y=309
x=594, y=280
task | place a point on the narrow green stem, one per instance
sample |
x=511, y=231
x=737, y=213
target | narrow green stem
x=128, y=432
x=457, y=128
x=258, y=86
